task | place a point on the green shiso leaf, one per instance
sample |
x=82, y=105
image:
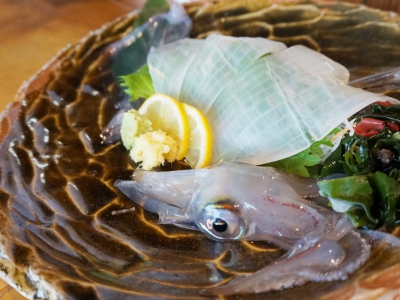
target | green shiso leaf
x=138, y=84
x=299, y=162
x=351, y=192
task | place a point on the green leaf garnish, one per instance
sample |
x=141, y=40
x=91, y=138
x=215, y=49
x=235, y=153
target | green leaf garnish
x=357, y=155
x=138, y=84
x=348, y=193
x=333, y=164
x=299, y=162
x=359, y=218
x=389, y=194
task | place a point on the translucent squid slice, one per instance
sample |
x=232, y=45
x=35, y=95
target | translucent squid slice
x=196, y=71
x=286, y=108
x=264, y=102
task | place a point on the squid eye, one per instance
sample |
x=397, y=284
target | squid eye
x=222, y=221
x=220, y=225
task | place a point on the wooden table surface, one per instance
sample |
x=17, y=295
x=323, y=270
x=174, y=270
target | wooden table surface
x=33, y=31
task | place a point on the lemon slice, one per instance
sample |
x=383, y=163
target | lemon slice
x=167, y=114
x=200, y=144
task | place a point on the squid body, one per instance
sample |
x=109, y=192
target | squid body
x=239, y=202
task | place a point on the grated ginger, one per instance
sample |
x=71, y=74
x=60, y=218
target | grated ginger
x=153, y=148
x=133, y=125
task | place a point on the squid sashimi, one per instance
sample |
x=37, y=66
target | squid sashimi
x=264, y=101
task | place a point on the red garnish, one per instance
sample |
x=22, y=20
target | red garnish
x=369, y=127
x=383, y=103
x=393, y=126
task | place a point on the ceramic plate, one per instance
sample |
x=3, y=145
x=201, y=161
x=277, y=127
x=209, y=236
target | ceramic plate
x=59, y=236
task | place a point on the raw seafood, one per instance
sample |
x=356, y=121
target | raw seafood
x=234, y=201
x=264, y=102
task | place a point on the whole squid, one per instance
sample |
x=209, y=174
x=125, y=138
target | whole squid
x=241, y=202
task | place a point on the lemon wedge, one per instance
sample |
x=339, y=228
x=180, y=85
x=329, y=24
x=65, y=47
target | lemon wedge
x=168, y=114
x=200, y=144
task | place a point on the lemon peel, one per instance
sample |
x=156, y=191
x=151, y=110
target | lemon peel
x=200, y=143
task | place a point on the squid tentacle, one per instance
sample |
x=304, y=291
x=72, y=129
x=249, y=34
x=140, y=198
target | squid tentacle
x=380, y=236
x=311, y=259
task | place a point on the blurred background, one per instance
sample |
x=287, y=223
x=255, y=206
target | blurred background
x=392, y=5
x=33, y=31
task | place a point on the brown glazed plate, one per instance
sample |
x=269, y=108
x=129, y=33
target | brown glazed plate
x=58, y=236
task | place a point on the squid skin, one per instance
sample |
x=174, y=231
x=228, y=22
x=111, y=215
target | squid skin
x=240, y=202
